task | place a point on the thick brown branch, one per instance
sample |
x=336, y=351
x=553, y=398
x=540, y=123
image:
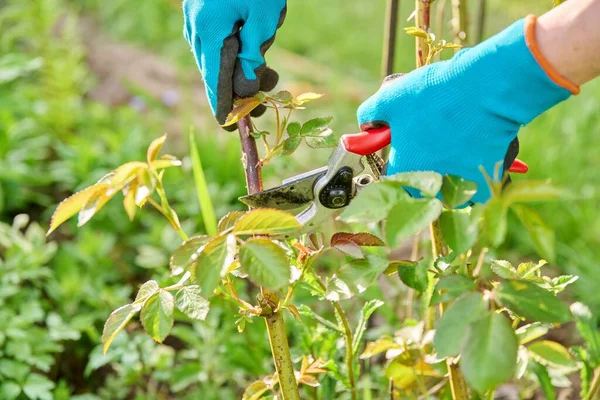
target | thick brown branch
x=250, y=157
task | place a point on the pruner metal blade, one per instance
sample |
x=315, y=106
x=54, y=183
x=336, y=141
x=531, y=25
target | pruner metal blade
x=293, y=193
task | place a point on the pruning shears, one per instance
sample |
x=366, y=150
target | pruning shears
x=320, y=193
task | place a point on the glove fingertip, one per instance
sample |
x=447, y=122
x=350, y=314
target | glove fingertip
x=269, y=80
x=258, y=111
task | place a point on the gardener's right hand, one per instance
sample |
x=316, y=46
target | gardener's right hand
x=232, y=59
x=456, y=116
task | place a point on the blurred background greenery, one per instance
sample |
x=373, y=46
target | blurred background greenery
x=86, y=85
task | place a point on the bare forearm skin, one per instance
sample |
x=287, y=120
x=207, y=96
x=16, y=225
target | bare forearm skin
x=568, y=36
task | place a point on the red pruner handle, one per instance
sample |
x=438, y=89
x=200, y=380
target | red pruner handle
x=519, y=167
x=368, y=142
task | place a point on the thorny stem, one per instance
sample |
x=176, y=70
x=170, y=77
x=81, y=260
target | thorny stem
x=595, y=385
x=458, y=385
x=275, y=324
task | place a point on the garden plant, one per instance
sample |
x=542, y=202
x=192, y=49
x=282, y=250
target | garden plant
x=473, y=320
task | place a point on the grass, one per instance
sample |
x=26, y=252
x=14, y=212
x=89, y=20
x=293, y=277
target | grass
x=340, y=47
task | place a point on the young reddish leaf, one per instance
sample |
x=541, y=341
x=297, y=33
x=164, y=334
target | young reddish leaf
x=266, y=263
x=187, y=254
x=213, y=261
x=265, y=221
x=229, y=220
x=73, y=204
x=241, y=108
x=349, y=248
x=154, y=148
x=115, y=323
x=360, y=239
x=157, y=315
x=189, y=302
x=146, y=290
x=532, y=302
x=489, y=352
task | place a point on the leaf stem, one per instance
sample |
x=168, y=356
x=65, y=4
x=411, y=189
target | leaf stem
x=347, y=337
x=595, y=385
x=169, y=218
x=275, y=323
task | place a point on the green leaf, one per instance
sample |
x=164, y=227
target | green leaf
x=373, y=203
x=266, y=263
x=202, y=192
x=316, y=126
x=532, y=191
x=38, y=387
x=495, y=221
x=213, y=261
x=74, y=204
x=229, y=220
x=9, y=390
x=368, y=309
x=146, y=290
x=290, y=145
x=293, y=129
x=530, y=332
x=157, y=315
x=457, y=191
x=429, y=183
x=489, y=352
x=532, y=302
x=189, y=302
x=187, y=254
x=452, y=327
x=552, y=353
x=450, y=287
x=527, y=270
x=414, y=275
x=541, y=234
x=417, y=32
x=326, y=139
x=282, y=96
x=116, y=322
x=264, y=221
x=587, y=326
x=409, y=217
x=306, y=97
x=459, y=230
x=560, y=283
x=544, y=380
x=355, y=277
x=504, y=269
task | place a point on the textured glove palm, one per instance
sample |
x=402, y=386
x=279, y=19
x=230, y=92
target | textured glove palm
x=454, y=116
x=232, y=59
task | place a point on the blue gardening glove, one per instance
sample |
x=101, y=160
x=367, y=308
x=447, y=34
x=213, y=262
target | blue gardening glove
x=454, y=116
x=229, y=39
